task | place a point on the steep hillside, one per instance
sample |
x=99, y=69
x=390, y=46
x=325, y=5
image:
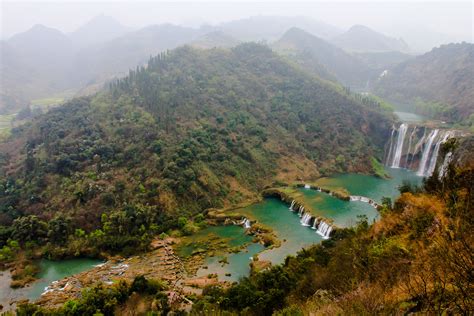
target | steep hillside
x=360, y=38
x=323, y=58
x=196, y=129
x=417, y=259
x=107, y=60
x=439, y=83
x=381, y=61
x=43, y=61
x=34, y=64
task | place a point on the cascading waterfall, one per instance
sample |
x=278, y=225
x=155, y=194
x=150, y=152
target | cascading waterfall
x=246, y=223
x=324, y=229
x=328, y=232
x=301, y=210
x=444, y=167
x=418, y=146
x=291, y=205
x=411, y=153
x=387, y=159
x=364, y=199
x=307, y=186
x=402, y=131
x=434, y=156
x=410, y=140
x=305, y=219
x=315, y=223
x=321, y=227
x=426, y=153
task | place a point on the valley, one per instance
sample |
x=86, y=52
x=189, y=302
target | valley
x=267, y=165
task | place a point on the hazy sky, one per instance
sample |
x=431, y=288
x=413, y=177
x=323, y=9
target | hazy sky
x=398, y=19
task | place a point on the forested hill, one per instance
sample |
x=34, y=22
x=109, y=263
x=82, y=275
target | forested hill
x=360, y=38
x=195, y=129
x=416, y=259
x=440, y=82
x=323, y=58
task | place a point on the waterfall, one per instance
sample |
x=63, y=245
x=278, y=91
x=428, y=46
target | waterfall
x=307, y=186
x=324, y=229
x=315, y=223
x=434, y=156
x=426, y=153
x=246, y=223
x=363, y=199
x=291, y=205
x=328, y=232
x=387, y=159
x=418, y=146
x=402, y=131
x=300, y=211
x=412, y=134
x=444, y=167
x=305, y=219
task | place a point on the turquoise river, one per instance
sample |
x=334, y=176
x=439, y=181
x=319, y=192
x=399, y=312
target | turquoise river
x=270, y=212
x=275, y=214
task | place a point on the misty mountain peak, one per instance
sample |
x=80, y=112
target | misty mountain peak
x=38, y=34
x=360, y=38
x=38, y=29
x=99, y=29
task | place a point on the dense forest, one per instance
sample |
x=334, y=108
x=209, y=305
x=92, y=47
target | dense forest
x=323, y=58
x=437, y=84
x=196, y=129
x=416, y=259
x=167, y=169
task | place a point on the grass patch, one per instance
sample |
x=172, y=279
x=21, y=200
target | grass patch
x=46, y=102
x=5, y=124
x=378, y=168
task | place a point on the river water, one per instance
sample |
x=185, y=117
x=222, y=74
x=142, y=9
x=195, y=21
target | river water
x=285, y=224
x=49, y=271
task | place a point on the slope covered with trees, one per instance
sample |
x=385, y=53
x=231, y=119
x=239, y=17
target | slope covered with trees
x=417, y=259
x=196, y=129
x=323, y=58
x=438, y=84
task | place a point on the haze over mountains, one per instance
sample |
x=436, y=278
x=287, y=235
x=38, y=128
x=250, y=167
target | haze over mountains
x=129, y=157
x=444, y=75
x=43, y=62
x=362, y=39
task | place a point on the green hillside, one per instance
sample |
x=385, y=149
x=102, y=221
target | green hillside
x=196, y=129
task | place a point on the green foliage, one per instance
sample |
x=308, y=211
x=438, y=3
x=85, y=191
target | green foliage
x=172, y=140
x=29, y=228
x=289, y=311
x=358, y=267
x=378, y=168
x=141, y=285
x=101, y=300
x=8, y=251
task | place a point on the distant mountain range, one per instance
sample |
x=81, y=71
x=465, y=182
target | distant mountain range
x=360, y=38
x=98, y=30
x=271, y=28
x=43, y=61
x=323, y=58
x=356, y=70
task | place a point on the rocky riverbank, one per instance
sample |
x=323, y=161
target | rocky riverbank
x=161, y=264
